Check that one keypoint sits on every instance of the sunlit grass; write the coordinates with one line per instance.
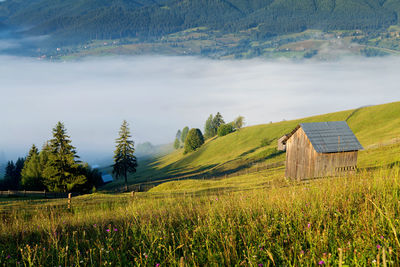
(284, 224)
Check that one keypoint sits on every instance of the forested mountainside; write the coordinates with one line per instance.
(82, 20)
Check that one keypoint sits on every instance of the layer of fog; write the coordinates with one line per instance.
(158, 95)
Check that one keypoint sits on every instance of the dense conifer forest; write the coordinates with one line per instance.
(78, 21)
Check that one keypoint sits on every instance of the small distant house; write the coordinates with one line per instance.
(282, 142)
(321, 149)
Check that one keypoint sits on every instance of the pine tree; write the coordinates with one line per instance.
(124, 159)
(61, 171)
(31, 174)
(12, 177)
(178, 134)
(209, 129)
(184, 134)
(218, 121)
(177, 144)
(10, 170)
(32, 151)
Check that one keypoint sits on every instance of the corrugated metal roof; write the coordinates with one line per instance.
(331, 136)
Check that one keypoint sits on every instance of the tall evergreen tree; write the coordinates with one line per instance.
(124, 159)
(218, 121)
(10, 170)
(61, 171)
(31, 174)
(184, 134)
(178, 134)
(32, 151)
(12, 177)
(177, 144)
(209, 129)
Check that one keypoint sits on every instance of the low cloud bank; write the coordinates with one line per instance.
(158, 95)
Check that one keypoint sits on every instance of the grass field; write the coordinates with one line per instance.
(255, 219)
(284, 223)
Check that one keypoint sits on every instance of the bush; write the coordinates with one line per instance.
(194, 140)
(225, 129)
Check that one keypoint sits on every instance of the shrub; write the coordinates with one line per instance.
(194, 140)
(225, 129)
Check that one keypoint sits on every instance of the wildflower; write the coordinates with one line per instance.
(157, 265)
(94, 225)
(216, 198)
(260, 265)
(8, 256)
(115, 229)
(308, 225)
(108, 230)
(301, 251)
(321, 263)
(378, 246)
(382, 237)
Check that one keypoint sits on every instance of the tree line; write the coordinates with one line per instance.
(191, 140)
(57, 168)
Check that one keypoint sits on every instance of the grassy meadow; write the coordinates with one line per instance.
(285, 223)
(252, 219)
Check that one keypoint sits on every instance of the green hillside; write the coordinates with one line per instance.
(255, 147)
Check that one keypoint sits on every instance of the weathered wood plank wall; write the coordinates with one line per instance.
(302, 161)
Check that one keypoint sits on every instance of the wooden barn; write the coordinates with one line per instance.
(321, 149)
(282, 142)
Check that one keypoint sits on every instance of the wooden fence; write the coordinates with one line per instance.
(248, 169)
(35, 194)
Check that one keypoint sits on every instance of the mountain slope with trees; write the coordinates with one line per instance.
(79, 21)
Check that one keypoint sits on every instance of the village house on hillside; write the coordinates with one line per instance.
(321, 149)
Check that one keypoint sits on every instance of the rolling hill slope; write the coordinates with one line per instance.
(252, 147)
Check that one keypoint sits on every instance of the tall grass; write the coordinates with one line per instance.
(292, 224)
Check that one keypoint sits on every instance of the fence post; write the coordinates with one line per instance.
(9, 193)
(44, 193)
(69, 200)
(340, 257)
(133, 194)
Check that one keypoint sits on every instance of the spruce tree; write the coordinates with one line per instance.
(31, 174)
(32, 151)
(124, 159)
(184, 134)
(177, 144)
(218, 121)
(209, 129)
(61, 171)
(178, 134)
